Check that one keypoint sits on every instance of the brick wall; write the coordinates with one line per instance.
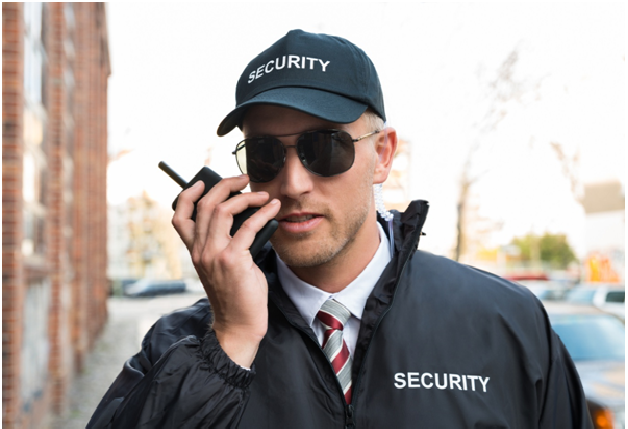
(12, 263)
(59, 274)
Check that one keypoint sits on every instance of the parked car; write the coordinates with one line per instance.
(608, 297)
(596, 342)
(546, 290)
(151, 287)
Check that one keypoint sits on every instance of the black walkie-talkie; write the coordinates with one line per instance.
(210, 178)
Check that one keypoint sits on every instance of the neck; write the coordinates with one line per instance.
(346, 266)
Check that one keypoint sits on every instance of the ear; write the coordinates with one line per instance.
(386, 146)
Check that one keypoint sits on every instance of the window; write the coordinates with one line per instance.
(34, 134)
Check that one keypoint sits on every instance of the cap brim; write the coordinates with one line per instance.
(322, 104)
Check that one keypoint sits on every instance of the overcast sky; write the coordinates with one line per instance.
(175, 66)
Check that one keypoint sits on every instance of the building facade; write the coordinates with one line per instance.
(142, 243)
(604, 205)
(55, 66)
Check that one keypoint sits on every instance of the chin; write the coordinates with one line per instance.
(303, 255)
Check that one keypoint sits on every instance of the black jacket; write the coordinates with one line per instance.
(441, 345)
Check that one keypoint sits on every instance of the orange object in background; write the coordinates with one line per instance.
(598, 268)
(602, 419)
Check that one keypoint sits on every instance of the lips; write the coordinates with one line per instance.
(301, 218)
(300, 222)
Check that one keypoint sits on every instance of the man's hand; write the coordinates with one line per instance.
(236, 287)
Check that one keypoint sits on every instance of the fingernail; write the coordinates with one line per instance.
(197, 184)
(274, 201)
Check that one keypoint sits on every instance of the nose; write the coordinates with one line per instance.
(295, 179)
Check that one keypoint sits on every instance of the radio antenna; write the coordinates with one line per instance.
(173, 174)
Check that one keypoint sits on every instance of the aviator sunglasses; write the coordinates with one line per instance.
(325, 153)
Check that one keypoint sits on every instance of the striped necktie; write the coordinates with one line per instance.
(333, 315)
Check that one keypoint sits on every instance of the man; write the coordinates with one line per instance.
(342, 322)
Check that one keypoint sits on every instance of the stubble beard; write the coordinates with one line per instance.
(303, 253)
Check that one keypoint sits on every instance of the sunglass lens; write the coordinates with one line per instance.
(326, 153)
(263, 158)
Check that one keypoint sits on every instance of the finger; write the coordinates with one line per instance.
(218, 232)
(182, 218)
(243, 238)
(205, 207)
(223, 189)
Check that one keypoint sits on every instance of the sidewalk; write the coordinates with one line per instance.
(129, 319)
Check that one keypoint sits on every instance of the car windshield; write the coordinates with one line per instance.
(582, 295)
(591, 336)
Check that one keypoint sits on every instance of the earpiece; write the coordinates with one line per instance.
(379, 203)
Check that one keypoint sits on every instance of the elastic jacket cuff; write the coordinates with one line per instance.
(220, 362)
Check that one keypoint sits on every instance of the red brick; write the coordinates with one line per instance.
(87, 311)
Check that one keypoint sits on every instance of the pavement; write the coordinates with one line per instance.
(129, 319)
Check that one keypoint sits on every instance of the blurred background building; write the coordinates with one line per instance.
(55, 66)
(604, 205)
(142, 242)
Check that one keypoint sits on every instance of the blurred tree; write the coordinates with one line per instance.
(553, 248)
(499, 93)
(570, 167)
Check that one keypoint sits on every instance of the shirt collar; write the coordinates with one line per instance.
(308, 298)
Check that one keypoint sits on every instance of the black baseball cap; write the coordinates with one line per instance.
(322, 75)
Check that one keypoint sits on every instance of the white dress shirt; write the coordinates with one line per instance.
(308, 298)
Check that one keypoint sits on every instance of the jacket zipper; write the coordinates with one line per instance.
(349, 422)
